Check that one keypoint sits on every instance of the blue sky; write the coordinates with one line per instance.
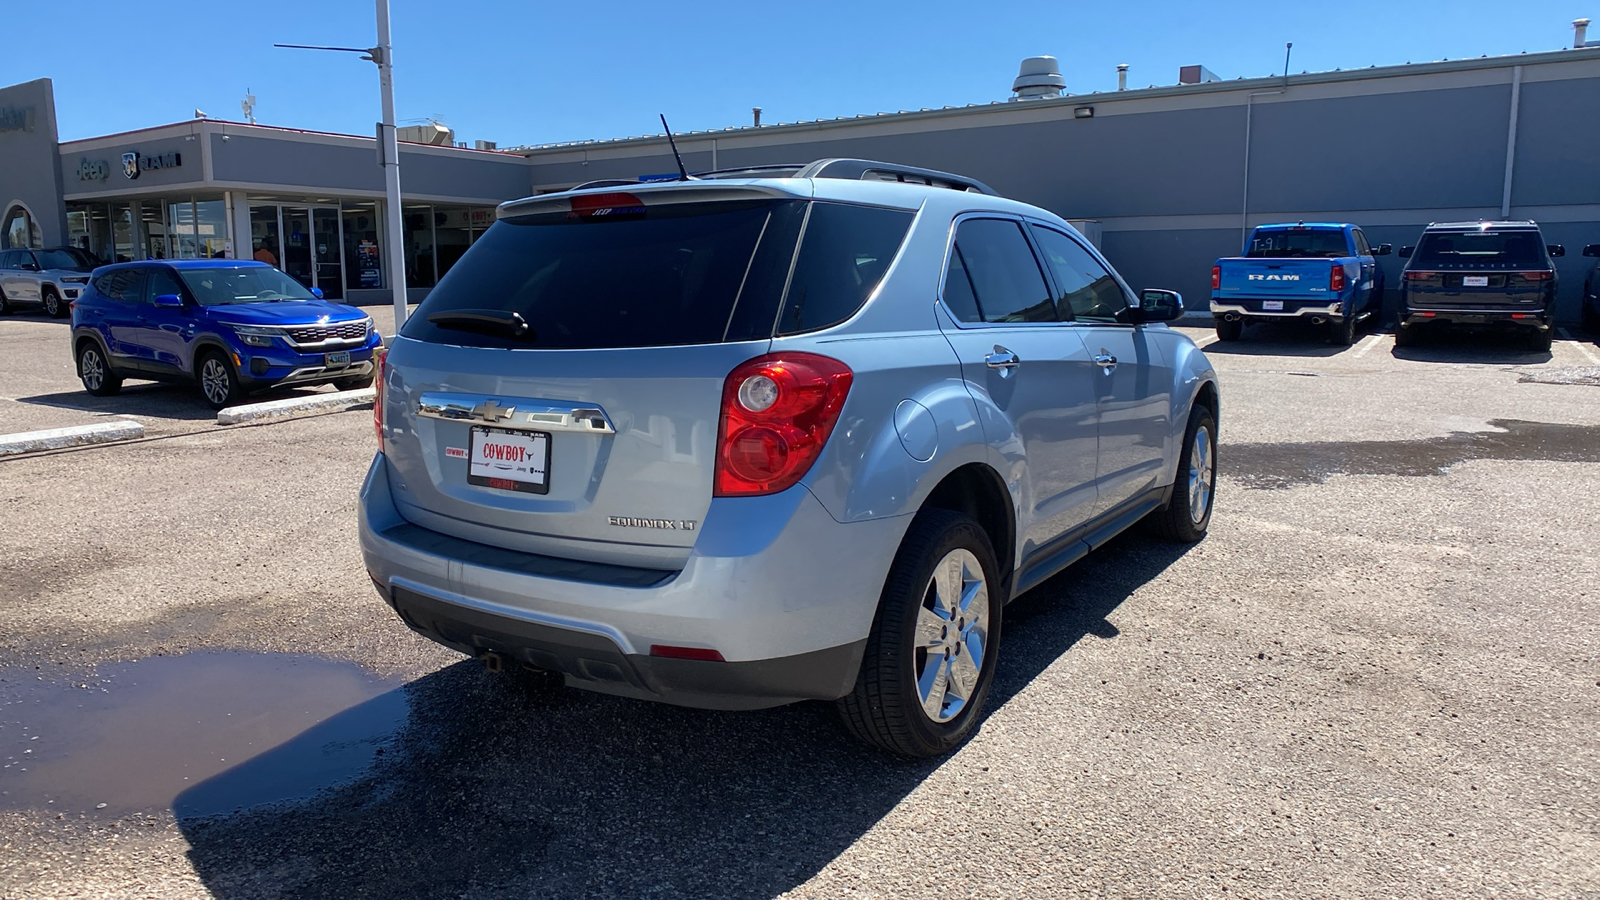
(524, 72)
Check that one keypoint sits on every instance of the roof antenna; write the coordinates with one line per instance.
(1287, 49)
(683, 174)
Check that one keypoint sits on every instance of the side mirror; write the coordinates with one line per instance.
(1405, 252)
(168, 301)
(1156, 305)
(1556, 250)
(29, 267)
(317, 293)
(1592, 250)
(1382, 250)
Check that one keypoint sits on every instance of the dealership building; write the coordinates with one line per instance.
(1164, 178)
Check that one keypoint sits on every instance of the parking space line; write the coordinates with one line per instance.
(1367, 345)
(1567, 336)
(1206, 341)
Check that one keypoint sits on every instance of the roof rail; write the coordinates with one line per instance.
(848, 169)
(869, 170)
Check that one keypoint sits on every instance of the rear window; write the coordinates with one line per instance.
(1298, 243)
(1474, 249)
(668, 275)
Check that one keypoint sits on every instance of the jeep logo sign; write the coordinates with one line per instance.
(1255, 277)
(93, 170)
(133, 163)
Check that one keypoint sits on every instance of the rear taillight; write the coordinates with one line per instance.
(1421, 276)
(1336, 278)
(777, 413)
(380, 356)
(1216, 278)
(1534, 276)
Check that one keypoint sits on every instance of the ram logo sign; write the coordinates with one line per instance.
(1254, 277)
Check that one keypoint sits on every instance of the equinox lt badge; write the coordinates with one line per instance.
(668, 524)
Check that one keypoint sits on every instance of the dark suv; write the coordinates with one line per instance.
(1486, 274)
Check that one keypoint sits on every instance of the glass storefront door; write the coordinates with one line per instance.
(328, 251)
(297, 261)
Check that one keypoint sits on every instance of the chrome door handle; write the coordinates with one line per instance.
(1105, 360)
(1002, 358)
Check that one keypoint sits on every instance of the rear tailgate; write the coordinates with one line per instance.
(599, 455)
(1295, 281)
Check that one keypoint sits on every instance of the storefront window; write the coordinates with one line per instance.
(123, 246)
(153, 228)
(418, 221)
(264, 246)
(89, 228)
(180, 230)
(211, 228)
(363, 260)
(20, 230)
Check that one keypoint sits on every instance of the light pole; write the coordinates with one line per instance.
(388, 154)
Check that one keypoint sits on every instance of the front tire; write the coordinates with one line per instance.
(1188, 515)
(1229, 329)
(930, 657)
(54, 306)
(95, 373)
(218, 383)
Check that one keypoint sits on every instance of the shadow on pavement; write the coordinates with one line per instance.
(1442, 345)
(1283, 339)
(154, 399)
(491, 788)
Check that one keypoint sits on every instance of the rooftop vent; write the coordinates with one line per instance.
(484, 145)
(1038, 78)
(1196, 75)
(431, 133)
(1580, 34)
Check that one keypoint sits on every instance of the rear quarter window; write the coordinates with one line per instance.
(844, 253)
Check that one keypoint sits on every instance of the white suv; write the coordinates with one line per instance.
(52, 278)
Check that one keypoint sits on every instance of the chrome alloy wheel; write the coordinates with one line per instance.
(92, 370)
(1202, 474)
(952, 636)
(214, 380)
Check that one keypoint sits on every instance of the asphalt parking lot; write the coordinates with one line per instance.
(1379, 676)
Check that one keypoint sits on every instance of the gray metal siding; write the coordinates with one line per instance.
(337, 167)
(28, 170)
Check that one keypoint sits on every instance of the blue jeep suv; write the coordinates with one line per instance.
(775, 435)
(233, 326)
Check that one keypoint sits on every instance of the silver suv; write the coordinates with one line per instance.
(52, 278)
(774, 435)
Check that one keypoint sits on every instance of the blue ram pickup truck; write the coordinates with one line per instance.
(1323, 272)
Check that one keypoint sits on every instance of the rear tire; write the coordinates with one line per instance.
(53, 304)
(1342, 333)
(1407, 336)
(1540, 341)
(1188, 515)
(1229, 330)
(5, 304)
(218, 383)
(96, 373)
(931, 654)
(1591, 319)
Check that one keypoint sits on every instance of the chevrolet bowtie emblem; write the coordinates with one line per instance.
(492, 411)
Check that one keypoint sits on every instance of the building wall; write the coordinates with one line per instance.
(28, 173)
(1163, 171)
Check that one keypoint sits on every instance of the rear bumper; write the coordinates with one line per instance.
(1539, 319)
(781, 590)
(1291, 310)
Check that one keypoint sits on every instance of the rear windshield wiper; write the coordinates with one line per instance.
(485, 321)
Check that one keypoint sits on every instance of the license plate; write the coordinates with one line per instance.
(510, 460)
(337, 359)
(1272, 305)
(1475, 281)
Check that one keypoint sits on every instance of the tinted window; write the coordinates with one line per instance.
(1002, 276)
(242, 284)
(1362, 247)
(1323, 243)
(1089, 292)
(161, 281)
(8, 259)
(843, 254)
(660, 275)
(1469, 249)
(958, 295)
(65, 258)
(126, 285)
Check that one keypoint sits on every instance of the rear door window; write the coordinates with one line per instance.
(993, 276)
(843, 255)
(122, 285)
(1489, 249)
(1089, 292)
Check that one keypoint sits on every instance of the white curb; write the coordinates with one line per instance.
(294, 406)
(75, 436)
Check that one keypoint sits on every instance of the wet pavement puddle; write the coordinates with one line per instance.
(1269, 466)
(165, 732)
